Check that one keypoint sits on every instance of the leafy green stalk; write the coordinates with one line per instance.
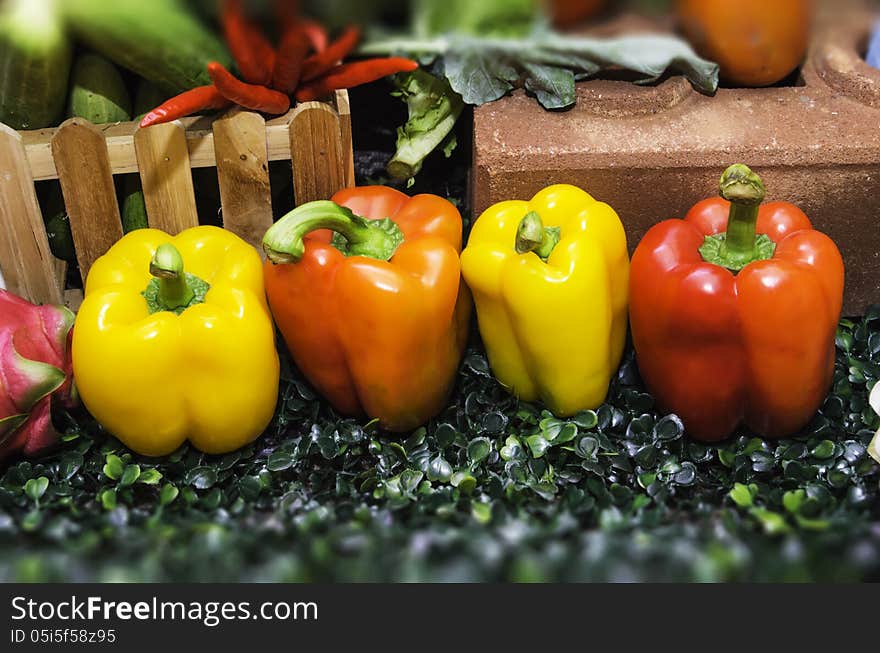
(433, 110)
(481, 69)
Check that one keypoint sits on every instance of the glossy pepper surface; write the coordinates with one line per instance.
(549, 278)
(174, 341)
(367, 292)
(738, 325)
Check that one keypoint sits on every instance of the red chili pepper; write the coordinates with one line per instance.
(320, 63)
(250, 96)
(188, 102)
(289, 63)
(354, 74)
(253, 54)
(315, 32)
(288, 15)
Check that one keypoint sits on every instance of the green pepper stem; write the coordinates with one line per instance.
(167, 267)
(283, 242)
(745, 192)
(533, 236)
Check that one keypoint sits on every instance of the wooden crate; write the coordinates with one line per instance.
(314, 136)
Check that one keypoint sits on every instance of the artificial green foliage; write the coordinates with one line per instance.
(494, 489)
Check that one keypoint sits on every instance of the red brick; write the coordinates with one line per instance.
(652, 152)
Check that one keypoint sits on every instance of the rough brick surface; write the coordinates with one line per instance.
(653, 152)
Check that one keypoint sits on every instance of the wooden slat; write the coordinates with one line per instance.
(163, 159)
(25, 259)
(199, 139)
(87, 184)
(343, 108)
(73, 299)
(316, 152)
(243, 173)
(120, 144)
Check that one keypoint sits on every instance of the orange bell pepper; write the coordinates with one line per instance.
(372, 308)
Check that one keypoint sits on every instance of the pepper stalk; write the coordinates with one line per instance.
(172, 289)
(284, 241)
(533, 236)
(740, 244)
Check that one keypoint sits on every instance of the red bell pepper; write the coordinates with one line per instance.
(737, 327)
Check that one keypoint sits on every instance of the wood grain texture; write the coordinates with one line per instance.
(163, 160)
(25, 259)
(316, 152)
(199, 140)
(243, 174)
(83, 165)
(120, 145)
(343, 108)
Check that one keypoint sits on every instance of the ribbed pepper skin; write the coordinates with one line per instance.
(379, 338)
(755, 347)
(209, 375)
(554, 330)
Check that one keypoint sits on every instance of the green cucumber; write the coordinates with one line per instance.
(35, 56)
(134, 209)
(160, 40)
(98, 92)
(56, 220)
(147, 97)
(99, 95)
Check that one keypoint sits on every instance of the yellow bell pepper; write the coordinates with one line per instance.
(549, 278)
(162, 354)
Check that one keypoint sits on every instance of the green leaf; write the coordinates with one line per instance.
(552, 86)
(567, 433)
(410, 479)
(479, 75)
(741, 495)
(250, 487)
(537, 445)
(478, 449)
(150, 476)
(669, 428)
(200, 478)
(772, 522)
(586, 419)
(439, 469)
(114, 467)
(484, 69)
(433, 110)
(813, 524)
(69, 465)
(793, 499)
(279, 461)
(586, 447)
(726, 457)
(167, 494)
(464, 482)
(35, 488)
(511, 449)
(482, 512)
(130, 475)
(108, 499)
(823, 450)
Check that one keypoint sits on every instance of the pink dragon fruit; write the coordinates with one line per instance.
(35, 369)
